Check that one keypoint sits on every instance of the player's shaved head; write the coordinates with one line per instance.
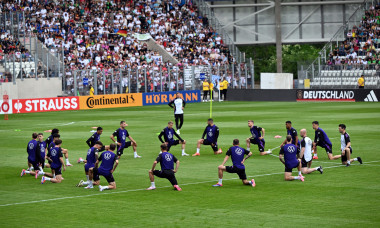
(34, 135)
(235, 142)
(303, 132)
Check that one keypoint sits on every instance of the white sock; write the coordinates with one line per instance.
(88, 177)
(183, 151)
(67, 161)
(355, 159)
(105, 187)
(41, 173)
(269, 152)
(299, 173)
(41, 169)
(152, 184)
(90, 183)
(86, 183)
(47, 178)
(135, 153)
(198, 150)
(296, 178)
(27, 171)
(348, 162)
(220, 181)
(248, 148)
(315, 154)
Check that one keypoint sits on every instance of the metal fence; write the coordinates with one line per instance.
(145, 80)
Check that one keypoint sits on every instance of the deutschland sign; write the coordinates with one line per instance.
(338, 95)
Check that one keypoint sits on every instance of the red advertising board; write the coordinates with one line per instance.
(45, 104)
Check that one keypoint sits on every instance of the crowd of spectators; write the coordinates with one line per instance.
(360, 49)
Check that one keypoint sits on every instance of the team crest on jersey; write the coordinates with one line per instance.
(42, 149)
(210, 133)
(107, 156)
(291, 149)
(170, 136)
(123, 136)
(239, 151)
(168, 157)
(31, 146)
(53, 152)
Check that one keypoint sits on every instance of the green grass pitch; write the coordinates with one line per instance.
(342, 196)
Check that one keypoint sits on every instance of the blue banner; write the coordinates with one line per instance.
(165, 97)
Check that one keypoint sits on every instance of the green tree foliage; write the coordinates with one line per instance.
(264, 57)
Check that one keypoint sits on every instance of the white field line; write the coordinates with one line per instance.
(143, 189)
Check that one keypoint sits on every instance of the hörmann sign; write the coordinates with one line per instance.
(165, 97)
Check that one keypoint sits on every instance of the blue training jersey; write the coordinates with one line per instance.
(321, 137)
(32, 150)
(108, 159)
(42, 149)
(256, 133)
(290, 155)
(93, 139)
(91, 155)
(166, 161)
(211, 133)
(55, 153)
(237, 155)
(293, 132)
(121, 135)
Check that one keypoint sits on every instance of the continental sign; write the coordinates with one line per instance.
(165, 97)
(110, 101)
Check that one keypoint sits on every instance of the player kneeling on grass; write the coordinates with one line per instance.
(212, 133)
(321, 139)
(306, 154)
(346, 148)
(288, 156)
(169, 134)
(237, 156)
(256, 138)
(106, 169)
(55, 157)
(92, 157)
(167, 171)
(33, 157)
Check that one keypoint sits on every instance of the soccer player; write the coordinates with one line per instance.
(92, 157)
(288, 156)
(179, 105)
(50, 139)
(292, 132)
(33, 157)
(237, 156)
(42, 147)
(321, 139)
(257, 138)
(167, 171)
(121, 134)
(55, 156)
(106, 169)
(346, 147)
(212, 133)
(169, 133)
(65, 152)
(306, 154)
(92, 141)
(206, 88)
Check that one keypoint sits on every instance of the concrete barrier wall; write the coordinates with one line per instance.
(261, 95)
(32, 88)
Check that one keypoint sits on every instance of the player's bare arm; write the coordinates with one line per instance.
(154, 165)
(246, 157)
(116, 164)
(176, 166)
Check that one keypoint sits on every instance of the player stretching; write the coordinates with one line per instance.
(106, 169)
(237, 156)
(121, 134)
(92, 141)
(50, 139)
(212, 132)
(92, 157)
(55, 156)
(65, 152)
(321, 139)
(292, 132)
(289, 153)
(306, 154)
(33, 157)
(168, 134)
(346, 147)
(257, 138)
(167, 171)
(178, 104)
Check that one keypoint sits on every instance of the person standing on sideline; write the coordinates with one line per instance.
(361, 82)
(221, 88)
(211, 91)
(225, 87)
(92, 90)
(178, 104)
(206, 88)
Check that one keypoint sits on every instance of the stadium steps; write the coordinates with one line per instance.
(166, 56)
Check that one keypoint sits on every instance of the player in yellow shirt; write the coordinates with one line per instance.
(221, 88)
(206, 88)
(225, 86)
(211, 91)
(361, 82)
(92, 91)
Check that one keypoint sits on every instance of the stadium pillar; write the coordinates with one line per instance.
(95, 83)
(277, 9)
